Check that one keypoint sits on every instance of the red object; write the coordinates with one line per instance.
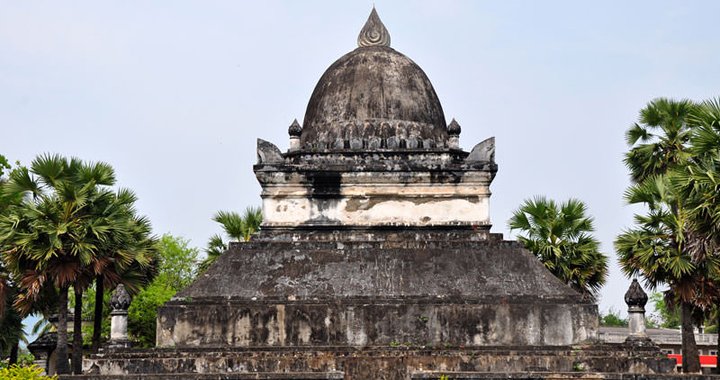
(705, 360)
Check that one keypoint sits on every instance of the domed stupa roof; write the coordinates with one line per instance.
(373, 98)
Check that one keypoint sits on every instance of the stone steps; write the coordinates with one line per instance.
(556, 376)
(216, 376)
(331, 362)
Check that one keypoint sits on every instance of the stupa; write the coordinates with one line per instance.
(375, 258)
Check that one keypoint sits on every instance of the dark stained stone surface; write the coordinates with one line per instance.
(456, 287)
(461, 269)
(373, 92)
(635, 295)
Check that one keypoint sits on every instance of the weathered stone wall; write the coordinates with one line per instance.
(392, 288)
(362, 199)
(373, 322)
(390, 363)
(413, 189)
(380, 268)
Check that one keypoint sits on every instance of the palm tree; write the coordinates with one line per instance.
(216, 246)
(128, 258)
(11, 326)
(561, 238)
(10, 321)
(52, 236)
(237, 227)
(659, 249)
(700, 184)
(658, 150)
(659, 141)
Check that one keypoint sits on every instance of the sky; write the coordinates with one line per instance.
(174, 94)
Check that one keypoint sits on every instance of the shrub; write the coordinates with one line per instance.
(16, 372)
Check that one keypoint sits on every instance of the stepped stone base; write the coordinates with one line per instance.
(391, 363)
(376, 288)
(376, 304)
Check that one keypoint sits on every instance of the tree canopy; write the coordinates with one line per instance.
(560, 235)
(65, 227)
(673, 163)
(238, 228)
(177, 263)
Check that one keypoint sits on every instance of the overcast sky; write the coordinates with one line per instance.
(174, 93)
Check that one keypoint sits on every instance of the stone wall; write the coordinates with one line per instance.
(371, 189)
(389, 363)
(393, 288)
(363, 322)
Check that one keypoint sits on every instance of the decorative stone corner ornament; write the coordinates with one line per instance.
(483, 151)
(268, 153)
(636, 299)
(453, 130)
(120, 302)
(295, 131)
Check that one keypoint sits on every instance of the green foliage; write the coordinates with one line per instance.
(674, 164)
(177, 263)
(669, 317)
(237, 227)
(16, 372)
(658, 141)
(560, 235)
(88, 313)
(68, 228)
(676, 242)
(11, 329)
(142, 314)
(26, 359)
(4, 165)
(612, 319)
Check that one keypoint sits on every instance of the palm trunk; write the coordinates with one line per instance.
(77, 334)
(14, 353)
(61, 360)
(690, 356)
(98, 316)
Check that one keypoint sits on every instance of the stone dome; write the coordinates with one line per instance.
(373, 98)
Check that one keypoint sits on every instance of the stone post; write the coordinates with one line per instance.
(295, 130)
(120, 302)
(636, 299)
(454, 130)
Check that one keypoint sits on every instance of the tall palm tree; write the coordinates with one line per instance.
(11, 326)
(51, 237)
(128, 258)
(700, 184)
(10, 321)
(237, 227)
(659, 146)
(658, 248)
(561, 238)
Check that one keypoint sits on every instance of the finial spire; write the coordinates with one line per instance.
(374, 32)
(295, 129)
